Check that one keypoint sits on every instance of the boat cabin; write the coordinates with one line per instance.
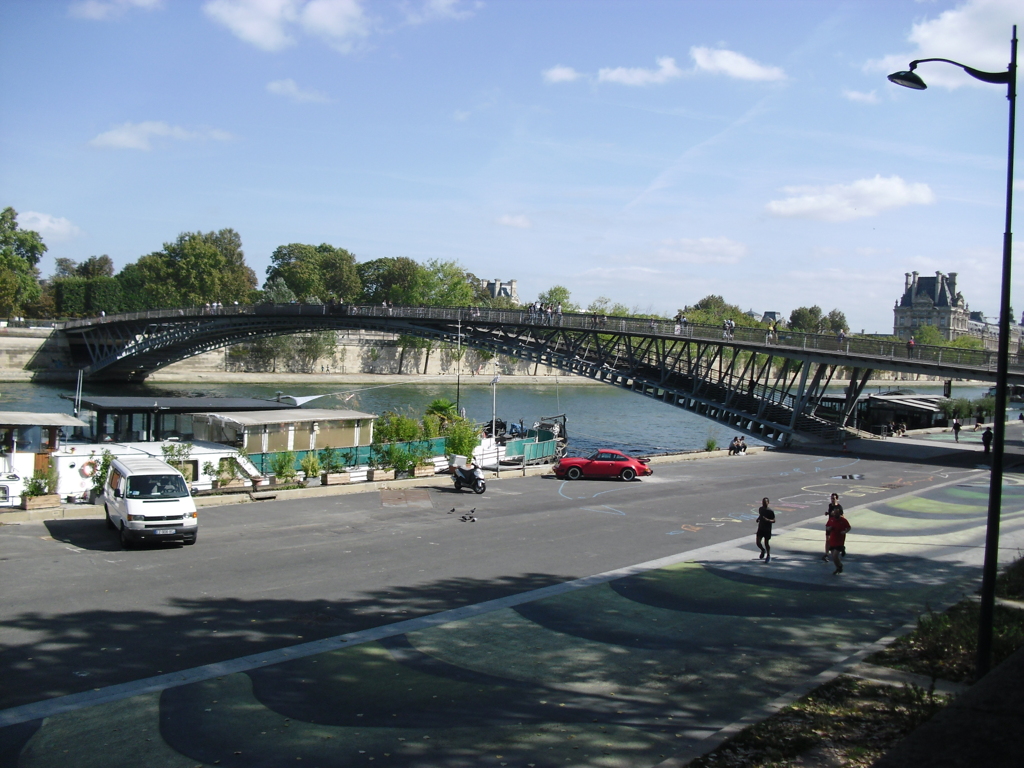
(301, 429)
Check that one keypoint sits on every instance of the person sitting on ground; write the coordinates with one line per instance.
(734, 446)
(742, 445)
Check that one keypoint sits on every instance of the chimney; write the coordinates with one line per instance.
(951, 282)
(906, 284)
(938, 285)
(913, 287)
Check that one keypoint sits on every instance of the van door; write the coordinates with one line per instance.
(115, 502)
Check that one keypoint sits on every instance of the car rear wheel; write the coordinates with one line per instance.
(628, 474)
(574, 473)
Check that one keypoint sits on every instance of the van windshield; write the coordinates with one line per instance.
(156, 487)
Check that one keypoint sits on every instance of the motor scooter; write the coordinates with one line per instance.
(470, 477)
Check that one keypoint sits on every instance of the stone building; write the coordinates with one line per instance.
(936, 301)
(931, 301)
(498, 288)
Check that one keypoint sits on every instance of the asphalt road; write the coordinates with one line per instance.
(80, 613)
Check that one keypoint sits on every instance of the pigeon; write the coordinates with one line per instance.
(452, 510)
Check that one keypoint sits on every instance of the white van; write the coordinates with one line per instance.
(148, 501)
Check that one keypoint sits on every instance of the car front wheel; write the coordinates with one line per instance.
(574, 473)
(628, 474)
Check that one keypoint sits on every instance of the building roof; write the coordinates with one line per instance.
(179, 404)
(298, 415)
(938, 288)
(28, 419)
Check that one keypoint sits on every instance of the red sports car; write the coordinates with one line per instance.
(603, 463)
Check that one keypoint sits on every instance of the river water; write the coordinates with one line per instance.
(598, 416)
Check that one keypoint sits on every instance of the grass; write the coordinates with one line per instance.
(1010, 583)
(854, 721)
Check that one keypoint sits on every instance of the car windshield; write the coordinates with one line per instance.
(594, 456)
(157, 487)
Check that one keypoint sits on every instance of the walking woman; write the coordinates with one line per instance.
(833, 503)
(837, 528)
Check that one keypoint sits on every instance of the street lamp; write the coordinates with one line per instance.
(910, 79)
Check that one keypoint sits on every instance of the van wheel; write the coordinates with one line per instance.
(189, 542)
(110, 523)
(126, 542)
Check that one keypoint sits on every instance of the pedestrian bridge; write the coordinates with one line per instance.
(768, 386)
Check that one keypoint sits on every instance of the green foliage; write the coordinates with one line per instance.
(444, 410)
(959, 408)
(835, 321)
(714, 310)
(555, 295)
(710, 444)
(431, 426)
(391, 456)
(309, 348)
(602, 305)
(276, 291)
(393, 427)
(461, 437)
(196, 269)
(985, 406)
(70, 296)
(311, 464)
(807, 319)
(331, 460)
(967, 342)
(929, 335)
(283, 465)
(20, 251)
(178, 455)
(102, 469)
(316, 273)
(399, 280)
(103, 294)
(43, 482)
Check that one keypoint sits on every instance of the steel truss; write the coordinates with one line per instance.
(753, 383)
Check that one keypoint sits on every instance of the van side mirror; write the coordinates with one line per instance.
(117, 493)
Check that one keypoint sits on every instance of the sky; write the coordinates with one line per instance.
(650, 152)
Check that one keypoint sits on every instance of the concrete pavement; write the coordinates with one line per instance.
(637, 666)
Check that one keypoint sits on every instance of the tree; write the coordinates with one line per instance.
(447, 284)
(96, 266)
(602, 305)
(309, 348)
(316, 273)
(20, 251)
(929, 335)
(835, 321)
(714, 309)
(967, 342)
(558, 294)
(399, 280)
(276, 291)
(64, 267)
(806, 319)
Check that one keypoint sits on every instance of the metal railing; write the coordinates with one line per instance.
(858, 349)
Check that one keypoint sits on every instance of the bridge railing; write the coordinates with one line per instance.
(784, 340)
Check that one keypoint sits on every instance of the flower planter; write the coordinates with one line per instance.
(236, 483)
(380, 474)
(425, 471)
(335, 478)
(40, 502)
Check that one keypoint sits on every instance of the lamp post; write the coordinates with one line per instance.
(910, 79)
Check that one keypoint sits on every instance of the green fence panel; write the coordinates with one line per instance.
(537, 451)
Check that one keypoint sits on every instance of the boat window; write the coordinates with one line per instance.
(156, 487)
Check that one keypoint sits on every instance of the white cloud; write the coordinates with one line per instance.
(518, 221)
(861, 98)
(976, 33)
(721, 61)
(290, 89)
(429, 10)
(52, 228)
(271, 24)
(703, 250)
(98, 10)
(139, 135)
(560, 74)
(843, 202)
(461, 115)
(667, 70)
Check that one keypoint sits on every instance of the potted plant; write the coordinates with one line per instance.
(178, 455)
(226, 473)
(283, 466)
(333, 466)
(422, 465)
(39, 491)
(311, 466)
(381, 467)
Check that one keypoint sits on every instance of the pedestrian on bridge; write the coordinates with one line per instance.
(910, 346)
(765, 521)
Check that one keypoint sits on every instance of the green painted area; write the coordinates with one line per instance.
(936, 507)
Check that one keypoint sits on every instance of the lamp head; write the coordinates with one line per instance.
(908, 79)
